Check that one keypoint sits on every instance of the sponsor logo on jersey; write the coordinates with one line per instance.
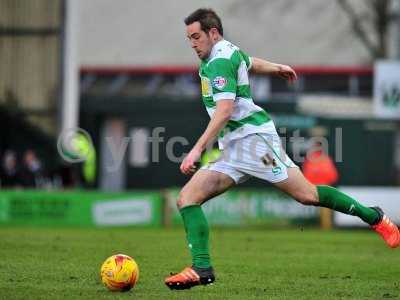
(219, 82)
(205, 87)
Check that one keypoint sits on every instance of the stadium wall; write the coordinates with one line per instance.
(30, 46)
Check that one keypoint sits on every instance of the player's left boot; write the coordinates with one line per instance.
(387, 229)
(189, 277)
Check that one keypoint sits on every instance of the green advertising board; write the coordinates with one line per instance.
(236, 207)
(250, 207)
(80, 208)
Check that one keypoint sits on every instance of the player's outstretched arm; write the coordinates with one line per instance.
(261, 66)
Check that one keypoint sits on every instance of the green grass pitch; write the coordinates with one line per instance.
(61, 263)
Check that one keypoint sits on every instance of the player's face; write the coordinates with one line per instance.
(200, 41)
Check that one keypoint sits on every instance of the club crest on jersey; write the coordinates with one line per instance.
(219, 82)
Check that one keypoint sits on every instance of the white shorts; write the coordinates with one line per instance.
(260, 155)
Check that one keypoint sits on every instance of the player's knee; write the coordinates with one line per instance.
(180, 202)
(184, 199)
(309, 197)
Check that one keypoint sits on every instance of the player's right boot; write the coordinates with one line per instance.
(387, 229)
(189, 277)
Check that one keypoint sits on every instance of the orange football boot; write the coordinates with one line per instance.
(387, 229)
(190, 277)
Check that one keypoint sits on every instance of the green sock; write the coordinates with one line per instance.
(196, 227)
(334, 199)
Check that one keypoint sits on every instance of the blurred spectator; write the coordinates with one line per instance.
(9, 170)
(31, 172)
(318, 167)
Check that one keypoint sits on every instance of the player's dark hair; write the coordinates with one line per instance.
(207, 18)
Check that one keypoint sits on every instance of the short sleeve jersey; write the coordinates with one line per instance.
(224, 75)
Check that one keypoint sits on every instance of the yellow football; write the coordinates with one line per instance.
(119, 273)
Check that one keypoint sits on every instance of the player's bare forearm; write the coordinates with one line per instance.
(261, 66)
(218, 121)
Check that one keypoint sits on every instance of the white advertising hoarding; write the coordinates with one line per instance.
(124, 212)
(387, 89)
(387, 198)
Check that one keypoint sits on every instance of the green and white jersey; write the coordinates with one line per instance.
(224, 75)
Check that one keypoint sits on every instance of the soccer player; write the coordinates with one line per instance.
(250, 144)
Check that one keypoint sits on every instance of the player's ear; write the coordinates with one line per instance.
(213, 33)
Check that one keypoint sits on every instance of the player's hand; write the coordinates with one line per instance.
(188, 166)
(286, 72)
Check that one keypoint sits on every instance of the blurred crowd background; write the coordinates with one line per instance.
(128, 69)
(100, 98)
